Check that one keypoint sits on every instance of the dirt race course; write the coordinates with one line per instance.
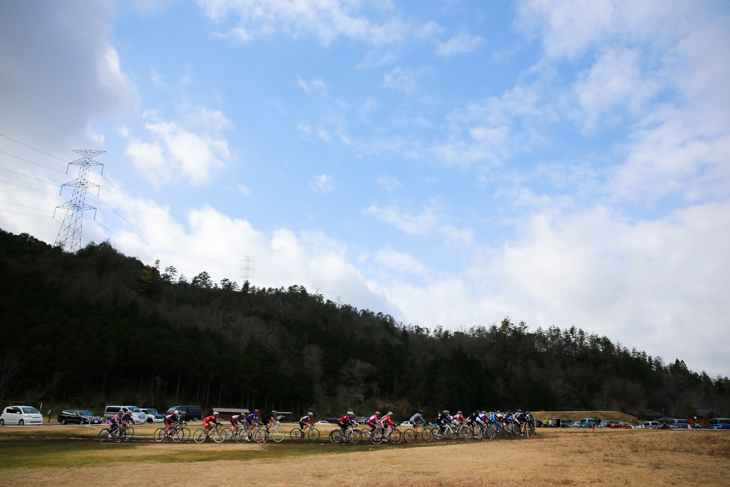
(556, 457)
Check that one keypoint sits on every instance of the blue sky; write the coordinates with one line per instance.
(446, 162)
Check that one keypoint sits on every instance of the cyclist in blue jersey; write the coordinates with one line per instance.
(417, 420)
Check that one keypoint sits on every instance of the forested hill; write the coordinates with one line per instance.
(99, 327)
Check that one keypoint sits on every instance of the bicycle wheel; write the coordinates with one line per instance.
(450, 433)
(376, 437)
(354, 436)
(491, 431)
(313, 434)
(160, 434)
(296, 434)
(103, 435)
(226, 434)
(396, 437)
(426, 434)
(129, 432)
(257, 436)
(119, 435)
(276, 434)
(199, 436)
(217, 435)
(185, 434)
(365, 434)
(336, 437)
(466, 433)
(409, 435)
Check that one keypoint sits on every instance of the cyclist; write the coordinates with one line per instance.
(252, 419)
(115, 421)
(170, 420)
(344, 422)
(442, 420)
(306, 422)
(373, 421)
(473, 421)
(458, 418)
(387, 423)
(520, 419)
(495, 417)
(416, 420)
(127, 416)
(207, 423)
(269, 420)
(237, 422)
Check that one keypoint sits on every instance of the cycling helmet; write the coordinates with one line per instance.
(420, 411)
(446, 411)
(458, 412)
(256, 410)
(484, 412)
(310, 414)
(377, 412)
(390, 413)
(215, 413)
(350, 413)
(519, 410)
(176, 412)
(273, 411)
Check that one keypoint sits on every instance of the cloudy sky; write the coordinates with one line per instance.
(446, 162)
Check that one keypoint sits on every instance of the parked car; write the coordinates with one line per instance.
(406, 423)
(650, 425)
(80, 416)
(619, 425)
(720, 423)
(152, 415)
(590, 422)
(322, 422)
(190, 413)
(20, 415)
(575, 424)
(137, 415)
(678, 424)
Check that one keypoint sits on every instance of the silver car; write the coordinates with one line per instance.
(21, 415)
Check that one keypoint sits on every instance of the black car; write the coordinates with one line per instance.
(80, 416)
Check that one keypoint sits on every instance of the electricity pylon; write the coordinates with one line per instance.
(69, 236)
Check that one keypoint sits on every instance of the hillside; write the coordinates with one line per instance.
(98, 326)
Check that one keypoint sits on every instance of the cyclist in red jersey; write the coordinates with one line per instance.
(170, 420)
(387, 422)
(207, 423)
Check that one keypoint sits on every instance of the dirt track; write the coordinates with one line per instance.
(639, 458)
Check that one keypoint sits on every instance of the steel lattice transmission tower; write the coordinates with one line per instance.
(69, 236)
(247, 264)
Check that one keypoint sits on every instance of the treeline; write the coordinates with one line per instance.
(99, 327)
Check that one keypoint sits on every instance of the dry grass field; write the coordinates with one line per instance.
(49, 457)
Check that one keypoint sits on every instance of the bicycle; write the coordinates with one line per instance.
(116, 435)
(392, 435)
(174, 435)
(311, 433)
(275, 433)
(418, 433)
(202, 435)
(449, 432)
(351, 434)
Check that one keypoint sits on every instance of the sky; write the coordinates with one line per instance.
(450, 163)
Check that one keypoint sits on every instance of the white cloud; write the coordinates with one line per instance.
(325, 19)
(191, 148)
(432, 221)
(405, 79)
(389, 183)
(399, 261)
(323, 183)
(461, 43)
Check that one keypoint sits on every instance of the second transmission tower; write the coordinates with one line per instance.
(69, 236)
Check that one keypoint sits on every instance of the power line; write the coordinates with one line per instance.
(123, 238)
(26, 187)
(24, 213)
(31, 147)
(26, 176)
(24, 206)
(32, 162)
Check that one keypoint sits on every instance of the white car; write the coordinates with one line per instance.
(406, 423)
(21, 415)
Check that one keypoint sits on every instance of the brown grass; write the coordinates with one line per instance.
(567, 457)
